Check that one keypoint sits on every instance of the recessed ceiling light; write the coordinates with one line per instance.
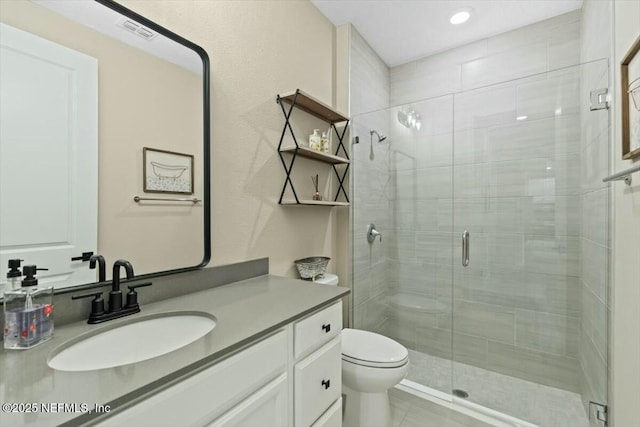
(460, 16)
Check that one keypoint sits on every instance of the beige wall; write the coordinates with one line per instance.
(626, 248)
(258, 49)
(142, 101)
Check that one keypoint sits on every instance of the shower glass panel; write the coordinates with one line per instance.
(529, 322)
(521, 330)
(404, 185)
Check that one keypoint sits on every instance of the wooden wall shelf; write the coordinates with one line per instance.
(310, 105)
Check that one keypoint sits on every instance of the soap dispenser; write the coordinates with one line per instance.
(324, 144)
(28, 312)
(13, 275)
(315, 140)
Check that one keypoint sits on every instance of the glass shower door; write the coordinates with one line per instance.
(402, 284)
(529, 309)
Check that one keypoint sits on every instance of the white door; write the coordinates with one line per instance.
(48, 156)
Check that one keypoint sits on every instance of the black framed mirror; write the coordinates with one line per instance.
(87, 86)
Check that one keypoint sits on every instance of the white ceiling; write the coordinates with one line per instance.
(106, 21)
(404, 30)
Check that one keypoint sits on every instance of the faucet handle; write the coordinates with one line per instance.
(97, 305)
(132, 295)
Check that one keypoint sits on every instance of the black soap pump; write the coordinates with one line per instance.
(14, 274)
(28, 312)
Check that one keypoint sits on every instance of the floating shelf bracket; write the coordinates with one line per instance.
(287, 125)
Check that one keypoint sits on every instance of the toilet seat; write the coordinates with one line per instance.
(370, 349)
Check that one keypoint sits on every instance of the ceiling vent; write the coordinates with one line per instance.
(137, 29)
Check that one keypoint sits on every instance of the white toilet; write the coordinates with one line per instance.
(371, 365)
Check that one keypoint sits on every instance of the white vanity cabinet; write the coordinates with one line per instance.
(291, 378)
(253, 377)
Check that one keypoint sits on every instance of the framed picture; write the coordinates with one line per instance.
(167, 172)
(630, 80)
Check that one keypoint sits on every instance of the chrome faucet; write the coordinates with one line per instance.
(116, 309)
(372, 233)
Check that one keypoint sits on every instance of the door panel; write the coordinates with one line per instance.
(530, 307)
(48, 163)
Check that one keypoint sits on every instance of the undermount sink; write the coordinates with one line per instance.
(133, 342)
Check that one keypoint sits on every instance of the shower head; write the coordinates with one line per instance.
(380, 137)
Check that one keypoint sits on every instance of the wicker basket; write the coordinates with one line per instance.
(312, 267)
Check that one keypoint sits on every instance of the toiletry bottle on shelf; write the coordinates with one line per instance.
(324, 143)
(28, 312)
(315, 140)
(13, 275)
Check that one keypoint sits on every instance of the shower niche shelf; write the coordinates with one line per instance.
(339, 163)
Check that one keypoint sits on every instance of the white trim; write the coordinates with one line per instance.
(424, 392)
(479, 412)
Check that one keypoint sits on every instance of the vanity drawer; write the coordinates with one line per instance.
(318, 383)
(317, 329)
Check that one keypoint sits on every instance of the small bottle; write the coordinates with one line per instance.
(324, 143)
(13, 275)
(315, 140)
(28, 312)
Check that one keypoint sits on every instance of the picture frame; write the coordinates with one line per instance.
(630, 85)
(167, 171)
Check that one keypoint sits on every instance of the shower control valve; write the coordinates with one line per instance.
(372, 233)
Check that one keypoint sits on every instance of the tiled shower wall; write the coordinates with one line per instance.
(371, 183)
(536, 48)
(533, 303)
(595, 243)
(516, 188)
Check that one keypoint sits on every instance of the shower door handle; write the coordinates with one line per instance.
(465, 248)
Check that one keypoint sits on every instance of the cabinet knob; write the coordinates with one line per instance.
(326, 328)
(326, 384)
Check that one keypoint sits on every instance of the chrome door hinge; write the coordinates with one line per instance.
(599, 413)
(599, 99)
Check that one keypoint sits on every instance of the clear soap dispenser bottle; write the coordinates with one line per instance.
(28, 312)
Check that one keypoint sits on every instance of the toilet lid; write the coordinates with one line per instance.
(371, 349)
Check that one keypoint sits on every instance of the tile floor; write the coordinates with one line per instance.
(532, 402)
(411, 411)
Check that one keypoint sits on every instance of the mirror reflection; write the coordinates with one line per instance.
(84, 91)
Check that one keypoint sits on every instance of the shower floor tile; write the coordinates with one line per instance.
(535, 403)
(411, 411)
